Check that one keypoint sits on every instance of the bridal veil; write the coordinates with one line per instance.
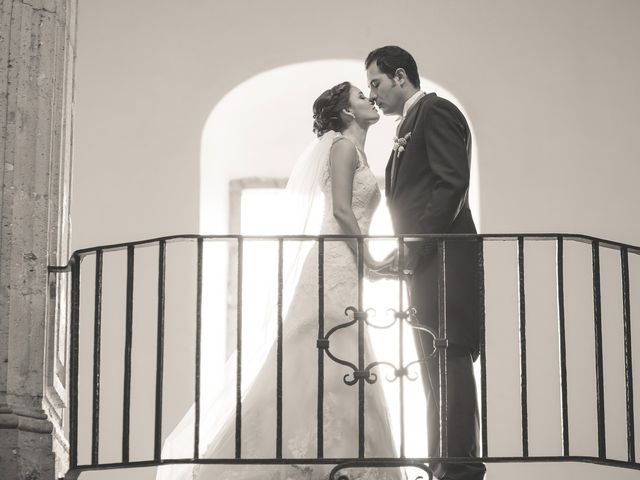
(302, 204)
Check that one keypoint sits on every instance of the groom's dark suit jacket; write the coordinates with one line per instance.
(430, 195)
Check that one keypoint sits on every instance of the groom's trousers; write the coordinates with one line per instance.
(462, 328)
(463, 428)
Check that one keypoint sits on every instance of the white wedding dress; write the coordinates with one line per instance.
(300, 372)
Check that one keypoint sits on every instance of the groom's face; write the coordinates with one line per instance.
(385, 91)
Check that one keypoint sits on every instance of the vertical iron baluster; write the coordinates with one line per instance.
(239, 354)
(128, 343)
(442, 348)
(628, 358)
(562, 341)
(401, 246)
(523, 349)
(361, 382)
(279, 356)
(162, 255)
(74, 354)
(320, 445)
(483, 346)
(196, 426)
(597, 317)
(97, 333)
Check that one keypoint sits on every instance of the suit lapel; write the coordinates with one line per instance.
(387, 177)
(407, 126)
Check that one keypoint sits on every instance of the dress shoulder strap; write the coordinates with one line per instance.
(339, 137)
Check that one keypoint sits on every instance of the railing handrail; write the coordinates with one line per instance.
(389, 461)
(606, 243)
(361, 371)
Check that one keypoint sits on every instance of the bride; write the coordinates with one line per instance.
(335, 170)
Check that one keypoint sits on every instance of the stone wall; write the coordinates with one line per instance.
(37, 56)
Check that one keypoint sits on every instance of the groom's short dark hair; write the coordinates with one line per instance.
(391, 58)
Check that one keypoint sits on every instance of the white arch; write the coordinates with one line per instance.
(260, 127)
(258, 130)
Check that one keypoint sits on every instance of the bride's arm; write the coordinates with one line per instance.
(343, 161)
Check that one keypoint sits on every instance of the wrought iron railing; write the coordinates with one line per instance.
(358, 372)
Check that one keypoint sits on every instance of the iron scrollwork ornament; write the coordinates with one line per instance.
(399, 318)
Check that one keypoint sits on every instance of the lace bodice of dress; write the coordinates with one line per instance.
(364, 200)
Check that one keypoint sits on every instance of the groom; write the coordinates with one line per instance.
(427, 190)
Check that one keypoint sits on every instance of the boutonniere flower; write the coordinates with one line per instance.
(399, 144)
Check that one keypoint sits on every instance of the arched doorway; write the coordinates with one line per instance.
(250, 143)
(260, 127)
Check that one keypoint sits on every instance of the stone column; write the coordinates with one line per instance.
(37, 52)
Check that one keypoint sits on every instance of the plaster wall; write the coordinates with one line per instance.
(549, 86)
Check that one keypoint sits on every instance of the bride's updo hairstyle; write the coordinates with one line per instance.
(327, 108)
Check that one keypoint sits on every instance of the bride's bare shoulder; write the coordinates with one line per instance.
(343, 152)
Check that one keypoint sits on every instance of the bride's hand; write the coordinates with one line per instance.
(377, 269)
(373, 264)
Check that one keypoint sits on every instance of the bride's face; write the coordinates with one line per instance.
(364, 110)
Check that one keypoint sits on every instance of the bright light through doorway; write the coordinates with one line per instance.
(257, 218)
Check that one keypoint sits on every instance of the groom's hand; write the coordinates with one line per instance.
(383, 268)
(388, 268)
(406, 270)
